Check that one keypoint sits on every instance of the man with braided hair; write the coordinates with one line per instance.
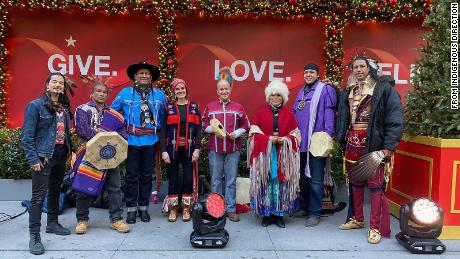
(370, 118)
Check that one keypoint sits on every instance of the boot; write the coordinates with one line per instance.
(172, 214)
(279, 221)
(81, 227)
(56, 228)
(120, 226)
(35, 244)
(266, 221)
(131, 217)
(170, 205)
(186, 204)
(144, 215)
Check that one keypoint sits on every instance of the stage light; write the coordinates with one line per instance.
(421, 222)
(208, 217)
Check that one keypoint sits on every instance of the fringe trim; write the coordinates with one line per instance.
(170, 202)
(259, 170)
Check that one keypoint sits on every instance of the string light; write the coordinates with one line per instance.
(337, 15)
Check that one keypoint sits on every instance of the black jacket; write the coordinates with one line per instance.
(386, 122)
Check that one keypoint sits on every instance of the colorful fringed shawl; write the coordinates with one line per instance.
(274, 168)
(88, 179)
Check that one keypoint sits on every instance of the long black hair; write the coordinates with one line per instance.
(63, 98)
(372, 70)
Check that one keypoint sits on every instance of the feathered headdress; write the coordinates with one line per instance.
(93, 79)
(372, 62)
(225, 74)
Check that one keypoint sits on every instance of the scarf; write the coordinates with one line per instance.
(313, 110)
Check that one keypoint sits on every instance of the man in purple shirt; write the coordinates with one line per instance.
(314, 98)
(88, 117)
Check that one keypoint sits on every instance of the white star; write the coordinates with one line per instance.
(70, 41)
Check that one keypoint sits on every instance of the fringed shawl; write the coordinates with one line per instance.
(259, 154)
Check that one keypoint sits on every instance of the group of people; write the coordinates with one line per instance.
(285, 176)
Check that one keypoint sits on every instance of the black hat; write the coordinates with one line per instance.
(311, 66)
(154, 71)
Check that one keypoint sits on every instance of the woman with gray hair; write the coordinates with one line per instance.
(273, 157)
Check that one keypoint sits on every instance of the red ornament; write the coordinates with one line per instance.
(293, 2)
(376, 6)
(170, 62)
(365, 6)
(130, 6)
(393, 2)
(164, 81)
(338, 61)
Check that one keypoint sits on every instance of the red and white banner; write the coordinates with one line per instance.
(77, 43)
(256, 50)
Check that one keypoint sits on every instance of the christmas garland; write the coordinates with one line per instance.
(336, 15)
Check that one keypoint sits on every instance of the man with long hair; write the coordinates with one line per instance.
(370, 118)
(47, 145)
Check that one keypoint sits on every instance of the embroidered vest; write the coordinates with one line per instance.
(192, 126)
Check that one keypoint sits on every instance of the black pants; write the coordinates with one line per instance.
(49, 179)
(173, 173)
(112, 185)
(139, 169)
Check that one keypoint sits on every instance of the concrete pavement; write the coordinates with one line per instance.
(161, 239)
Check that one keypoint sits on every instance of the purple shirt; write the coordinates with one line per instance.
(88, 117)
(325, 115)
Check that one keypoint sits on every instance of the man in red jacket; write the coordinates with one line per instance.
(224, 149)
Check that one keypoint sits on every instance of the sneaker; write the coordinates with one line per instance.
(35, 244)
(56, 228)
(81, 227)
(352, 224)
(233, 216)
(312, 221)
(373, 236)
(120, 226)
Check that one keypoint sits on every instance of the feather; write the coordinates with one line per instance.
(366, 166)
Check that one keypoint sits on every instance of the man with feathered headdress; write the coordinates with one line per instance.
(225, 120)
(370, 118)
(90, 119)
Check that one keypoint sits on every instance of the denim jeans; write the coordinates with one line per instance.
(224, 165)
(112, 185)
(50, 178)
(139, 169)
(312, 189)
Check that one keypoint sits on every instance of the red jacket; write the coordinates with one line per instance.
(233, 117)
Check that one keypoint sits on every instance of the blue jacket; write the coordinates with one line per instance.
(38, 135)
(128, 103)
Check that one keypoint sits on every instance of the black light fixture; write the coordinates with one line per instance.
(208, 216)
(421, 222)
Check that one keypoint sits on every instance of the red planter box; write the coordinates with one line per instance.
(428, 167)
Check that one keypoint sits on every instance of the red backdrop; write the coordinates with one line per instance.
(104, 45)
(256, 49)
(393, 45)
